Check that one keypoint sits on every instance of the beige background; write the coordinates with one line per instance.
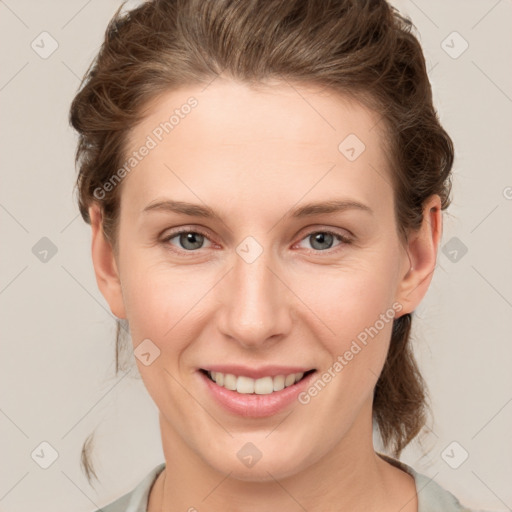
(57, 361)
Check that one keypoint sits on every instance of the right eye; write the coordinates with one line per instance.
(188, 239)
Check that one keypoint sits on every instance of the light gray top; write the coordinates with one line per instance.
(431, 496)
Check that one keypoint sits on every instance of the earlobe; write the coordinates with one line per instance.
(105, 267)
(422, 250)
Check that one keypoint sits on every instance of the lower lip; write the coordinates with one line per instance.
(252, 405)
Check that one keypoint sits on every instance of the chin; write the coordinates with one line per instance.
(261, 471)
(276, 465)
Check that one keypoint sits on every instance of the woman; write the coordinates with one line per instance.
(222, 144)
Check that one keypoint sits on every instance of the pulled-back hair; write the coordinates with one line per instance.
(361, 48)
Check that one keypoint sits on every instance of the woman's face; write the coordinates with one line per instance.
(262, 287)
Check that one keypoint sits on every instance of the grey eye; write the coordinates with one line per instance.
(321, 240)
(188, 240)
(191, 241)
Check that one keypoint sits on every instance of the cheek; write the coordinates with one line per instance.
(353, 311)
(162, 306)
(336, 303)
(350, 298)
(161, 301)
(357, 308)
(168, 304)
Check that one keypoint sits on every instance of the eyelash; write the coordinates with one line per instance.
(342, 238)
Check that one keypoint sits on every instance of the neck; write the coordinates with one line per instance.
(350, 476)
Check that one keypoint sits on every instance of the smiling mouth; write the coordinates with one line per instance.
(263, 386)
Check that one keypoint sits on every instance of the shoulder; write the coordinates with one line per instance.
(137, 499)
(431, 496)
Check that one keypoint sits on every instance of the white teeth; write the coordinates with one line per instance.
(262, 386)
(245, 385)
(229, 381)
(290, 379)
(278, 383)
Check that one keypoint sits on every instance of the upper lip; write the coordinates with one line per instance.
(256, 373)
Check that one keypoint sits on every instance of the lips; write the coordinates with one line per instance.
(256, 373)
(251, 399)
(262, 386)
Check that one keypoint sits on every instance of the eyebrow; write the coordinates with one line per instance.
(307, 210)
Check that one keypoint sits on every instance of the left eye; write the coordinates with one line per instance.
(191, 240)
(322, 238)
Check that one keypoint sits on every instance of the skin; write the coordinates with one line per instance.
(253, 155)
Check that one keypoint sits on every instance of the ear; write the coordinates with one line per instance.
(422, 252)
(105, 267)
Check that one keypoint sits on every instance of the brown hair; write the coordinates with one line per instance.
(362, 48)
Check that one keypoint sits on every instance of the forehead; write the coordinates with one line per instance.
(227, 112)
(274, 140)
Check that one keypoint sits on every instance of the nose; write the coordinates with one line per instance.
(255, 303)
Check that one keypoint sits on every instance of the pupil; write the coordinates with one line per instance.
(321, 238)
(191, 238)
